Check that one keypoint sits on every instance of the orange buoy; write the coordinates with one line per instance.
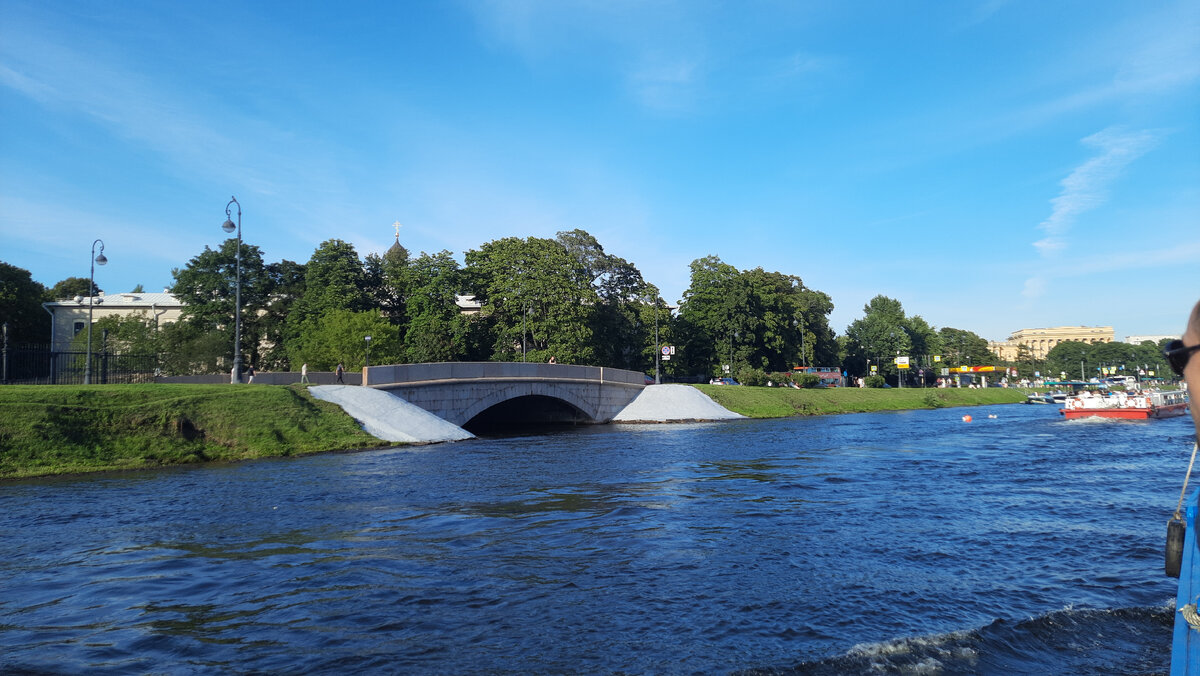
(966, 418)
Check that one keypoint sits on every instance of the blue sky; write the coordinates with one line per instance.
(992, 165)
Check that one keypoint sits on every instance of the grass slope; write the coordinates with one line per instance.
(779, 402)
(65, 429)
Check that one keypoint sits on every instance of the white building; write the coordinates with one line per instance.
(69, 317)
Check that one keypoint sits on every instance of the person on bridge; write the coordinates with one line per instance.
(340, 371)
(304, 373)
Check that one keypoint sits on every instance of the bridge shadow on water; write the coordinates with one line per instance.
(524, 415)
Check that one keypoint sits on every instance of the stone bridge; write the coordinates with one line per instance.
(481, 394)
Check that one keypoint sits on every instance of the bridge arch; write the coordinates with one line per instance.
(460, 391)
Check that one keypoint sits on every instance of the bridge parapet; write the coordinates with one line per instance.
(382, 376)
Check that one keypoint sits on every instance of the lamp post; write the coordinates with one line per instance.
(367, 365)
(87, 366)
(735, 334)
(228, 226)
(657, 347)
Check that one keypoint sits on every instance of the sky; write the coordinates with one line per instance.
(993, 165)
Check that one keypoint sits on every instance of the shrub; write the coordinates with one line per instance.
(808, 380)
(752, 376)
(874, 381)
(781, 378)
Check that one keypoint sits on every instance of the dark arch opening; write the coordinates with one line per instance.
(524, 413)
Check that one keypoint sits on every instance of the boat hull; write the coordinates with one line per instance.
(1185, 643)
(1169, 411)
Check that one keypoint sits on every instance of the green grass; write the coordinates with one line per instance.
(779, 402)
(48, 430)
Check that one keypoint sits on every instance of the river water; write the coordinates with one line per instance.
(908, 542)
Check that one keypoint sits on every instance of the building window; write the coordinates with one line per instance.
(79, 327)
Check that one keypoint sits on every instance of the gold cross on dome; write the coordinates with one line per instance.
(396, 225)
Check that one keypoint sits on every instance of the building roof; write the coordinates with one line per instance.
(124, 300)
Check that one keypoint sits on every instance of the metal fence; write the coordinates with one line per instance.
(39, 365)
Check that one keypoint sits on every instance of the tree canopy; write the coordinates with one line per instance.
(21, 306)
(752, 319)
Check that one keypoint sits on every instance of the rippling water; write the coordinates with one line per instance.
(896, 542)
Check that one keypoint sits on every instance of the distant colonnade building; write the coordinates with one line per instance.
(1039, 342)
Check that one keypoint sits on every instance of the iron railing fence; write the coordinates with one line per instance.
(39, 365)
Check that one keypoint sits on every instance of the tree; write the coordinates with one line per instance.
(286, 280)
(207, 288)
(1070, 359)
(435, 329)
(338, 336)
(20, 306)
(960, 347)
(72, 287)
(757, 319)
(712, 311)
(189, 349)
(878, 338)
(129, 334)
(537, 300)
(385, 281)
(333, 280)
(619, 334)
(1094, 360)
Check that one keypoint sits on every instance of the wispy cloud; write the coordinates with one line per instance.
(1084, 189)
(1087, 186)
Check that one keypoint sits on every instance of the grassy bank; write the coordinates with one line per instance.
(65, 429)
(779, 402)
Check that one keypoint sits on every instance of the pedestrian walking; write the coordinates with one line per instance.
(304, 373)
(340, 371)
(250, 374)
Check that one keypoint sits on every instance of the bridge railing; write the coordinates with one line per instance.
(491, 370)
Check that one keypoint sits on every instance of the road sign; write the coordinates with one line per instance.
(666, 350)
(666, 357)
(874, 368)
(725, 368)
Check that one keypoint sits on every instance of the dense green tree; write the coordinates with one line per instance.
(1078, 359)
(435, 329)
(333, 280)
(128, 334)
(71, 287)
(760, 320)
(189, 348)
(537, 299)
(286, 286)
(21, 306)
(712, 314)
(338, 336)
(207, 288)
(960, 347)
(620, 335)
(385, 281)
(878, 338)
